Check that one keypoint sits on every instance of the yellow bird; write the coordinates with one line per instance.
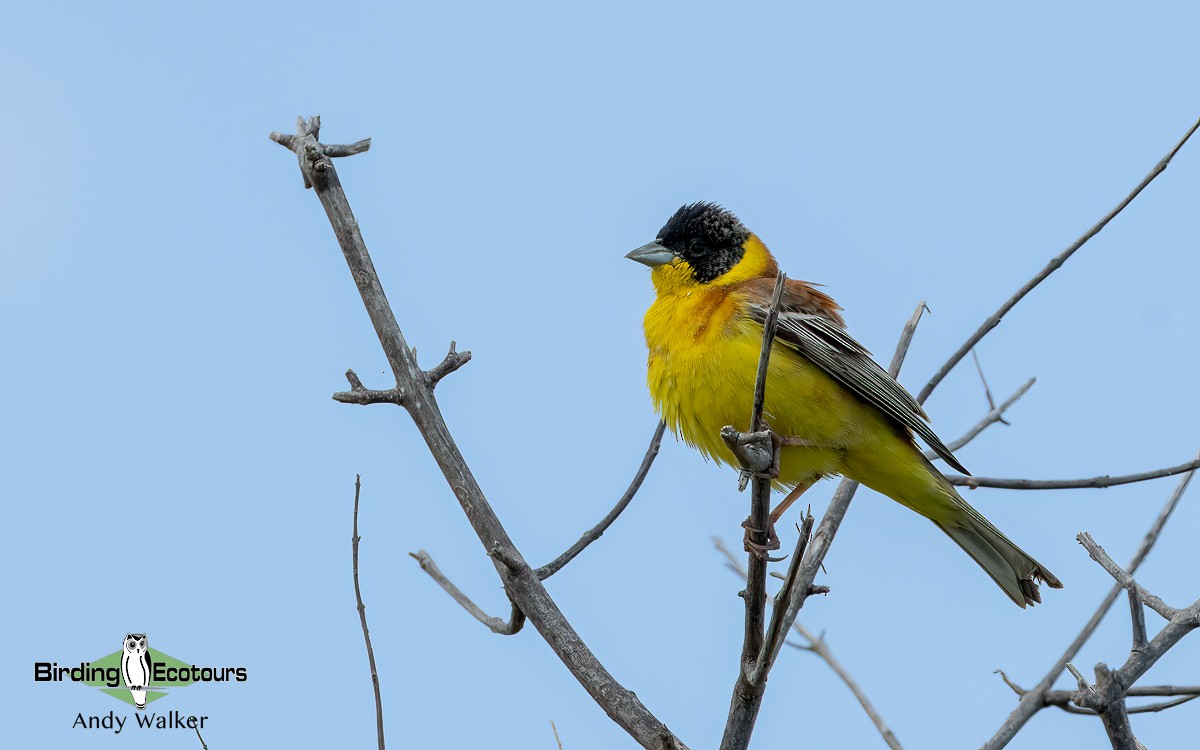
(713, 280)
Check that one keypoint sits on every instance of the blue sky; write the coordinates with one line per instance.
(177, 314)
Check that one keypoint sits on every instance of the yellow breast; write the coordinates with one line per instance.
(703, 356)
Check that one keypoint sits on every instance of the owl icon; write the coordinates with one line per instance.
(136, 667)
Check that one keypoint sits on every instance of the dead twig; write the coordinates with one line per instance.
(511, 626)
(598, 530)
(818, 646)
(989, 419)
(1070, 484)
(414, 387)
(362, 615)
(1034, 700)
(1055, 263)
(747, 694)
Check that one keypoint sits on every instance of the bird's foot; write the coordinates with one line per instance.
(761, 550)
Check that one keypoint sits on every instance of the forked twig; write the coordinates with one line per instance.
(522, 585)
(989, 419)
(1034, 700)
(817, 645)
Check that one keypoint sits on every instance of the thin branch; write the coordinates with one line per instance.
(1033, 700)
(906, 337)
(1123, 579)
(818, 646)
(1107, 698)
(598, 530)
(1070, 484)
(987, 392)
(780, 623)
(452, 362)
(511, 626)
(1139, 662)
(747, 695)
(1154, 708)
(811, 562)
(362, 616)
(1054, 697)
(363, 396)
(1051, 267)
(1061, 699)
(1164, 690)
(528, 594)
(764, 354)
(989, 419)
(1138, 615)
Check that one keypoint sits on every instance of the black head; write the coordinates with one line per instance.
(707, 236)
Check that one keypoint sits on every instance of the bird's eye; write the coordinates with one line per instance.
(697, 247)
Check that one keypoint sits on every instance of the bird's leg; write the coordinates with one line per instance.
(772, 538)
(778, 443)
(792, 497)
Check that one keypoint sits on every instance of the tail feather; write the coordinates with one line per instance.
(1009, 566)
(916, 484)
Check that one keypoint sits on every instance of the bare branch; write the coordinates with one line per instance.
(818, 646)
(987, 392)
(906, 337)
(598, 530)
(357, 147)
(314, 156)
(1140, 661)
(1154, 708)
(528, 594)
(1033, 700)
(1084, 685)
(1108, 697)
(1069, 484)
(1138, 615)
(989, 419)
(1062, 698)
(511, 626)
(813, 557)
(1164, 690)
(358, 394)
(452, 362)
(780, 622)
(1015, 688)
(362, 616)
(764, 355)
(747, 695)
(1124, 579)
(1108, 700)
(1054, 264)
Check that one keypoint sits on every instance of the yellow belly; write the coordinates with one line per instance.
(702, 363)
(701, 378)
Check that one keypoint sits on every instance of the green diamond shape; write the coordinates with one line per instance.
(122, 693)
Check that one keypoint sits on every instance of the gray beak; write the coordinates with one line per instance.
(651, 254)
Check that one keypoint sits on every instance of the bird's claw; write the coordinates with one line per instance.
(761, 550)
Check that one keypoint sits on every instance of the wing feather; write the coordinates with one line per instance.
(826, 344)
